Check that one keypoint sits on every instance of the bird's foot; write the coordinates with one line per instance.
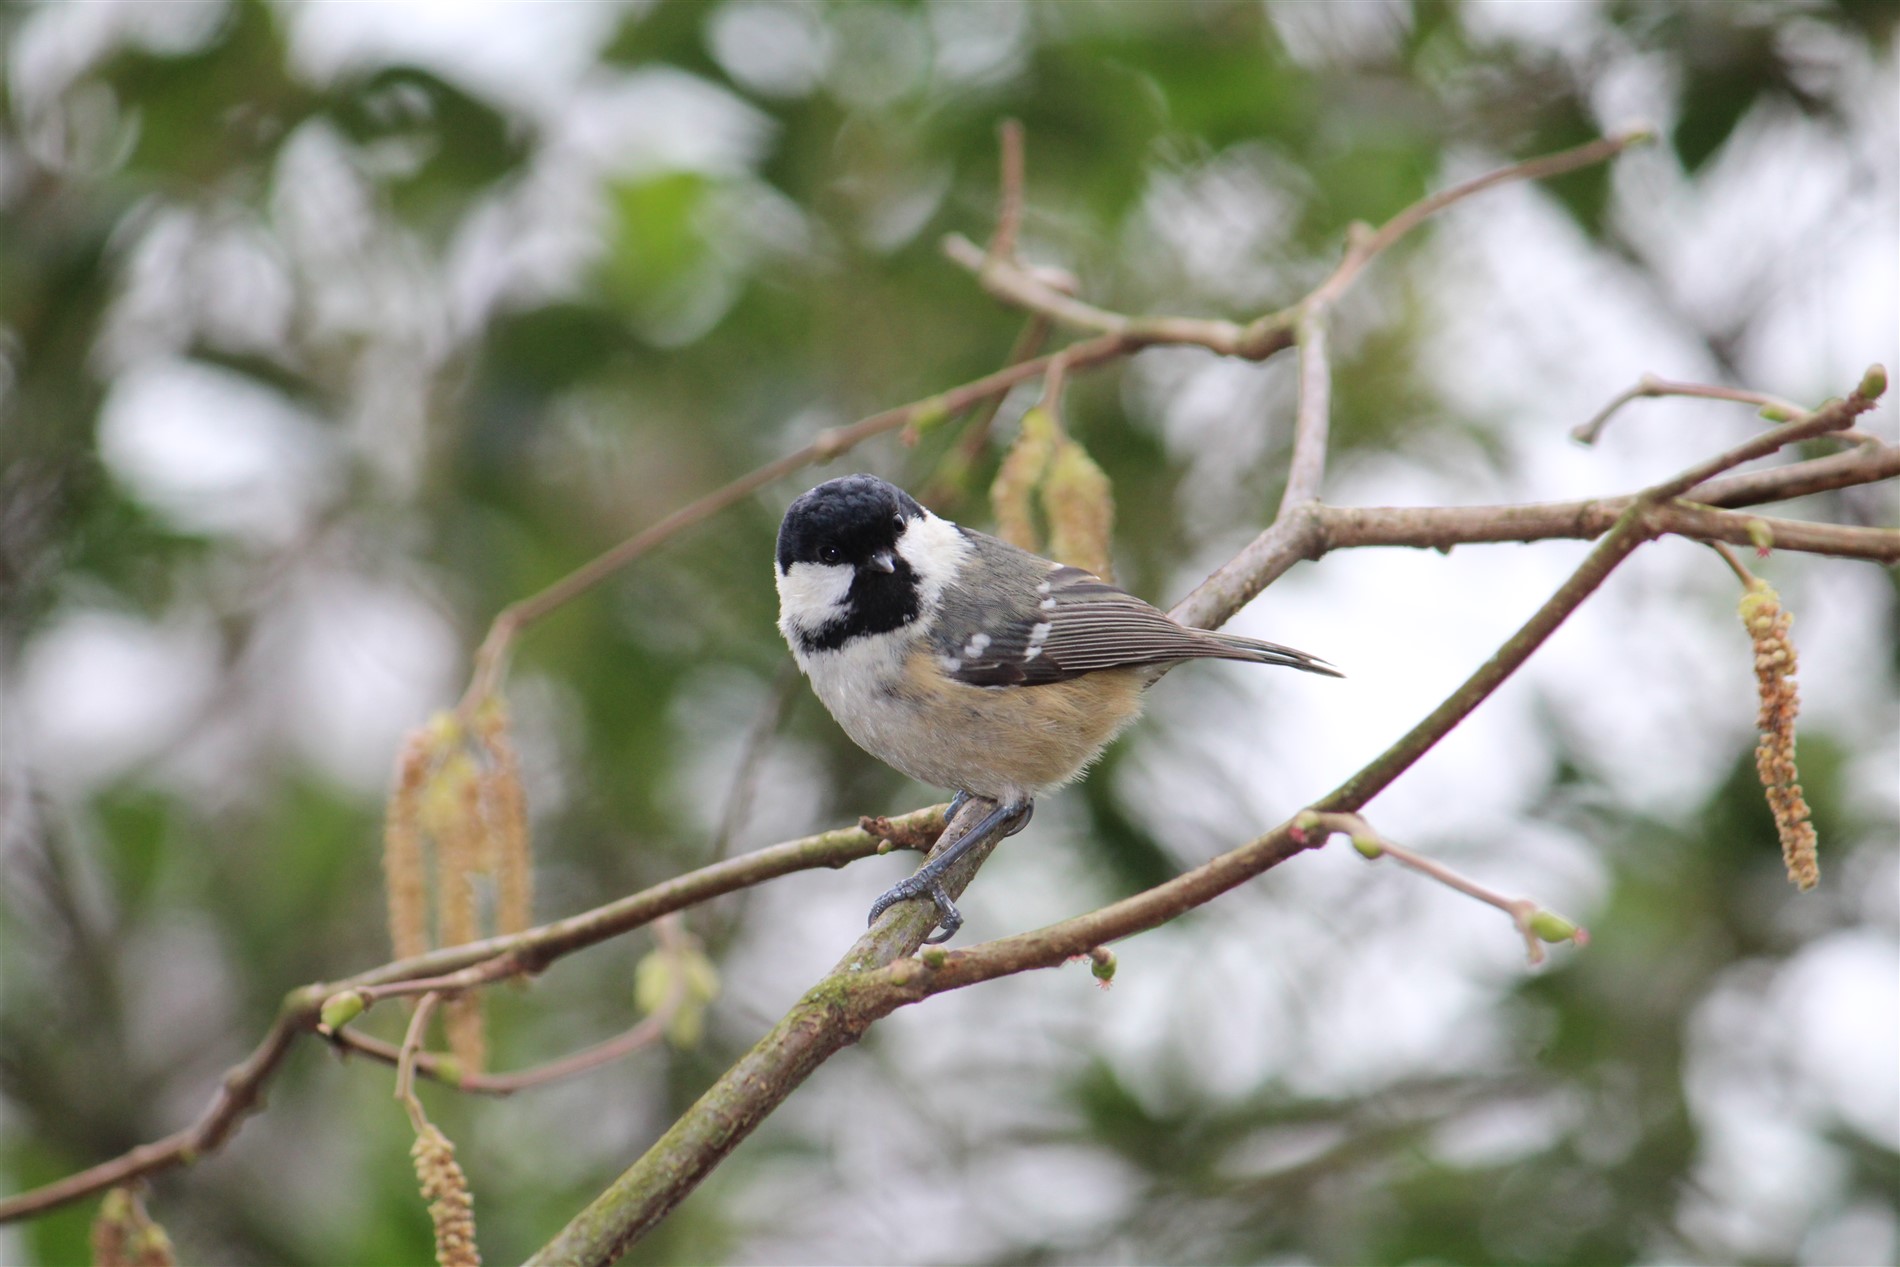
(927, 882)
(1006, 820)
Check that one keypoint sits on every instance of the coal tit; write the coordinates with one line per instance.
(966, 662)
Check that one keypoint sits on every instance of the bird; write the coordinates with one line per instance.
(969, 663)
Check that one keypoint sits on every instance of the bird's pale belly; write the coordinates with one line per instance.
(1007, 743)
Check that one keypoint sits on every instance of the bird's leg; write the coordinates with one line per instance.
(1010, 818)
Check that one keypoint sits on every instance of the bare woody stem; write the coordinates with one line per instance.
(1367, 247)
(1258, 339)
(1692, 506)
(878, 973)
(412, 1043)
(1310, 533)
(1312, 418)
(240, 1091)
(1372, 844)
(1120, 335)
(873, 981)
(1009, 202)
(878, 976)
(1651, 386)
(447, 1069)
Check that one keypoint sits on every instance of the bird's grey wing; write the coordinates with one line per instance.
(1076, 623)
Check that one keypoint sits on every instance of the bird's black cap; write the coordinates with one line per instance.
(855, 515)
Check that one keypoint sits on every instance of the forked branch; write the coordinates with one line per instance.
(879, 974)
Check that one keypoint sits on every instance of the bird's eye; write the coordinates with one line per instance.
(830, 554)
(899, 521)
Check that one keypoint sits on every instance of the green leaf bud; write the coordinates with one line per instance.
(342, 1008)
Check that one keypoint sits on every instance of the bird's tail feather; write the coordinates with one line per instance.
(1258, 652)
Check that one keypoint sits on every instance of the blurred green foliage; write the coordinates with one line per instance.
(522, 350)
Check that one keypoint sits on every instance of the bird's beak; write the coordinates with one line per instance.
(883, 561)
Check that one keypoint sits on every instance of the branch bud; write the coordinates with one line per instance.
(342, 1008)
(1762, 536)
(1369, 846)
(1548, 926)
(1873, 384)
(927, 415)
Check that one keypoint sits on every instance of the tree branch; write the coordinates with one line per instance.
(1312, 419)
(1009, 198)
(1651, 386)
(1308, 531)
(240, 1093)
(878, 974)
(817, 1027)
(1367, 246)
(1013, 283)
(1002, 275)
(872, 981)
(867, 986)
(240, 1089)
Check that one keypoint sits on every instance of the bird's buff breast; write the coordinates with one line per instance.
(1007, 743)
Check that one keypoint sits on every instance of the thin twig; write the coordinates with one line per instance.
(1836, 415)
(446, 1070)
(1443, 527)
(488, 971)
(1736, 566)
(1649, 385)
(1120, 335)
(540, 946)
(1869, 464)
(1367, 247)
(1009, 200)
(1312, 418)
(946, 485)
(1311, 532)
(1024, 287)
(876, 978)
(406, 1061)
(1053, 382)
(240, 1090)
(511, 620)
(240, 1093)
(1525, 914)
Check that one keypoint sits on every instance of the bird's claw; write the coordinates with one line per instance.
(1007, 819)
(922, 885)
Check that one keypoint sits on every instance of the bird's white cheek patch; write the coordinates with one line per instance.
(935, 550)
(812, 595)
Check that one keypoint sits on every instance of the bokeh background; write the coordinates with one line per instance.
(328, 330)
